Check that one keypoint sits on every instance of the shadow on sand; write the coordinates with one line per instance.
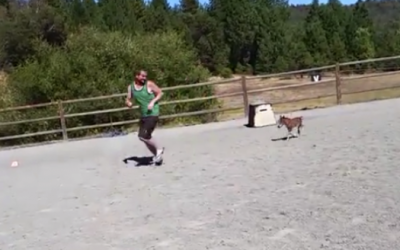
(284, 138)
(141, 161)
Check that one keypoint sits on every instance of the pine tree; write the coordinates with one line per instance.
(158, 16)
(359, 21)
(236, 18)
(270, 47)
(91, 13)
(189, 6)
(315, 36)
(334, 17)
(361, 15)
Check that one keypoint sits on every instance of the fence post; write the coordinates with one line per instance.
(62, 120)
(245, 96)
(338, 84)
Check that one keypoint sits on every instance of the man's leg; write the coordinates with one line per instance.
(147, 127)
(153, 121)
(144, 136)
(149, 146)
(159, 153)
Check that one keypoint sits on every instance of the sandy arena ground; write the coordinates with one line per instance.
(223, 186)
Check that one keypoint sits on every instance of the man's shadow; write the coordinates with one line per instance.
(140, 160)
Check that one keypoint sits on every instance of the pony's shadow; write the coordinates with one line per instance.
(285, 138)
(140, 160)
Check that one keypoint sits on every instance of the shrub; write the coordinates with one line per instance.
(225, 72)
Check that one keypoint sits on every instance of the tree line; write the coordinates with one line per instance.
(64, 49)
(253, 36)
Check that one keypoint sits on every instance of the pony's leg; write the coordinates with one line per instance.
(289, 135)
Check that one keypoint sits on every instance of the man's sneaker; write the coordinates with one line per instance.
(158, 158)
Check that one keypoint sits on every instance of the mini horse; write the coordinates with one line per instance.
(290, 124)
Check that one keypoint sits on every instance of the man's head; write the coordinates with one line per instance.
(140, 76)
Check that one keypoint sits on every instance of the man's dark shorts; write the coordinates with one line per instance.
(147, 124)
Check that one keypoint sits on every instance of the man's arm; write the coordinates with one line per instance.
(156, 90)
(128, 99)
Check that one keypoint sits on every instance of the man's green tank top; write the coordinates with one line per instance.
(143, 98)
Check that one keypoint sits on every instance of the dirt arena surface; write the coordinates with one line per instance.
(223, 186)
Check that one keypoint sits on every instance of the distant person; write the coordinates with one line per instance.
(146, 94)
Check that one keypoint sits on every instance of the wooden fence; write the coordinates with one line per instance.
(244, 92)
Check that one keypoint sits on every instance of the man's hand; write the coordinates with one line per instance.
(128, 103)
(150, 106)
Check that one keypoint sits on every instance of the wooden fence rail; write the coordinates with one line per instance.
(62, 115)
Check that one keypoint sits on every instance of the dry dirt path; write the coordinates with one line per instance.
(223, 186)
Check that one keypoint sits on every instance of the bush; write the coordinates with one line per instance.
(93, 63)
(225, 73)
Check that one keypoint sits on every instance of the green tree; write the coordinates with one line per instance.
(334, 19)
(158, 16)
(361, 16)
(189, 6)
(122, 15)
(389, 42)
(298, 56)
(269, 46)
(91, 13)
(315, 36)
(365, 45)
(236, 18)
(76, 13)
(25, 28)
(204, 34)
(5, 3)
(359, 19)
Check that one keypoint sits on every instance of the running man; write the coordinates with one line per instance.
(146, 94)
